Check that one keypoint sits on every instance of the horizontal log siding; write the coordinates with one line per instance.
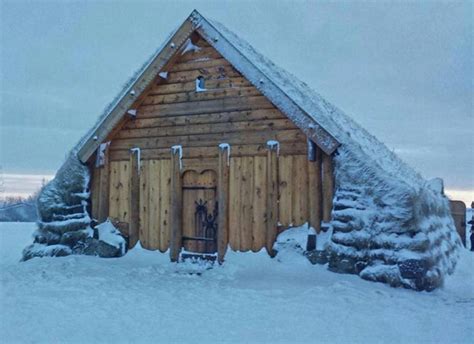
(231, 110)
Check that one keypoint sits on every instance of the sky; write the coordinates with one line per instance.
(404, 70)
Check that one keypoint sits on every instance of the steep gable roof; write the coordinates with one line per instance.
(321, 121)
(246, 65)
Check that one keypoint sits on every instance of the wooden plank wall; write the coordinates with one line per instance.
(119, 194)
(247, 203)
(293, 186)
(230, 111)
(155, 193)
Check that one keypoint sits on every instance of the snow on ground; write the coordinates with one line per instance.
(251, 298)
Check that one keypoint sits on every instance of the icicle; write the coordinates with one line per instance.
(173, 45)
(137, 149)
(100, 160)
(273, 144)
(132, 92)
(224, 146)
(178, 149)
(132, 112)
(200, 84)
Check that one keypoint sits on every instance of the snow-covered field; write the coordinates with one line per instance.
(142, 298)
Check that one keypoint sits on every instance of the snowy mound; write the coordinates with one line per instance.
(64, 224)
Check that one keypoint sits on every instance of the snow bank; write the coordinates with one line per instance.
(251, 298)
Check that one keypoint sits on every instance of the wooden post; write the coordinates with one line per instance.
(328, 187)
(315, 188)
(272, 196)
(176, 235)
(134, 197)
(104, 186)
(223, 202)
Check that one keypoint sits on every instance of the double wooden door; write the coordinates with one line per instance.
(200, 211)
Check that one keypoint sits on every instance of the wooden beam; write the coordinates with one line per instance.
(206, 106)
(328, 186)
(104, 186)
(193, 96)
(272, 196)
(233, 116)
(315, 189)
(223, 202)
(176, 235)
(274, 124)
(190, 86)
(134, 224)
(212, 139)
(226, 71)
(209, 152)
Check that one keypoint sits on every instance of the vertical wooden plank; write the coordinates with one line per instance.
(104, 187)
(272, 197)
(315, 191)
(299, 192)
(144, 203)
(134, 197)
(176, 234)
(154, 204)
(223, 202)
(285, 164)
(165, 182)
(328, 187)
(124, 187)
(259, 203)
(246, 204)
(234, 203)
(114, 195)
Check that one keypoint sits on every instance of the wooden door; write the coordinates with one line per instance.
(200, 211)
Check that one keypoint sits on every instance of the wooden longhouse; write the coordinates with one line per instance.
(204, 151)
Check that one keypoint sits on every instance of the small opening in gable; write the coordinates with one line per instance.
(200, 84)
